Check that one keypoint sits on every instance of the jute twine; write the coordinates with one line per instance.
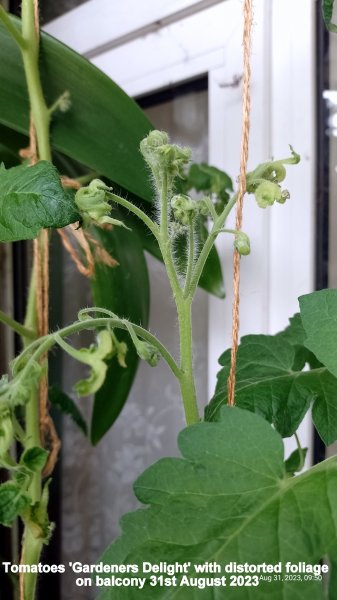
(247, 33)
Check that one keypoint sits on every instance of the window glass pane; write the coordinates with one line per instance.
(50, 9)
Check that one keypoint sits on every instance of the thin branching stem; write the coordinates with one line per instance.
(207, 247)
(23, 331)
(153, 227)
(44, 344)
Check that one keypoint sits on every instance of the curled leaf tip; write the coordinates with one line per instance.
(95, 357)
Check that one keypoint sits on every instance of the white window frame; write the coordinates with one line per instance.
(148, 45)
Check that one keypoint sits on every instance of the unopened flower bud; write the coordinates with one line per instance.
(147, 352)
(267, 193)
(242, 243)
(64, 102)
(184, 208)
(91, 202)
(203, 207)
(162, 157)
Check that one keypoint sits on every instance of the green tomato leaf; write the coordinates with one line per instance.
(228, 500)
(295, 461)
(12, 502)
(32, 198)
(295, 335)
(328, 8)
(270, 382)
(17, 390)
(34, 459)
(67, 406)
(123, 289)
(106, 125)
(210, 180)
(319, 318)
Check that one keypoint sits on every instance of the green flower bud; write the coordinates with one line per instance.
(203, 207)
(64, 102)
(242, 243)
(272, 172)
(184, 208)
(147, 352)
(144, 350)
(154, 140)
(162, 157)
(267, 193)
(279, 172)
(91, 203)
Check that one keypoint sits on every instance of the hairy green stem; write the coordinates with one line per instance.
(184, 307)
(44, 344)
(166, 252)
(187, 385)
(136, 211)
(164, 209)
(217, 226)
(23, 331)
(164, 241)
(190, 259)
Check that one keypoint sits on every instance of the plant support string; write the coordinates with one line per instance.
(247, 30)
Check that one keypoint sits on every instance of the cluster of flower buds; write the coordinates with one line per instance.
(64, 102)
(265, 181)
(185, 210)
(268, 192)
(92, 205)
(162, 157)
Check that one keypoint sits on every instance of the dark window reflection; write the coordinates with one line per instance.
(50, 9)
